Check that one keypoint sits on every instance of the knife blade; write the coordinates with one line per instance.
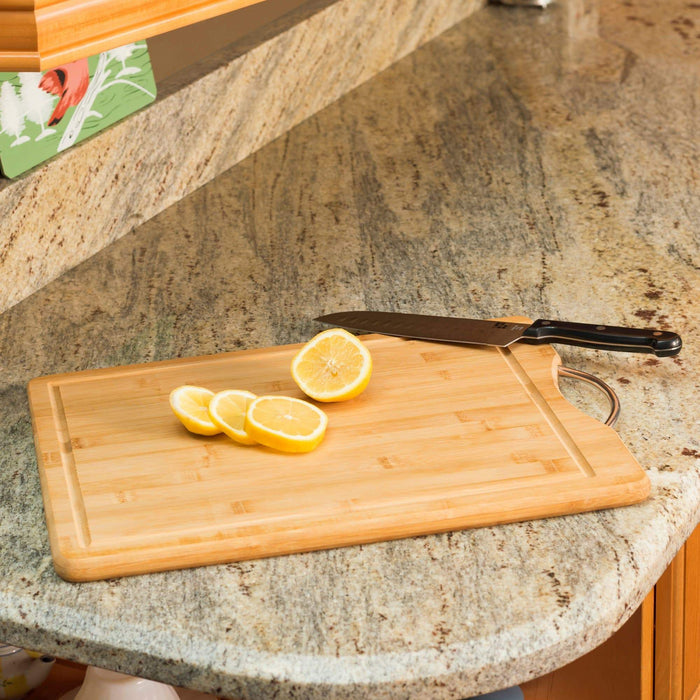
(502, 333)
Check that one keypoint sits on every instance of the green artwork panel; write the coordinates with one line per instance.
(44, 113)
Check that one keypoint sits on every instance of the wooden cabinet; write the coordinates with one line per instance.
(654, 656)
(40, 34)
(677, 626)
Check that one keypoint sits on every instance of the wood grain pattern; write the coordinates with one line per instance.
(677, 629)
(669, 638)
(646, 647)
(691, 651)
(445, 437)
(40, 35)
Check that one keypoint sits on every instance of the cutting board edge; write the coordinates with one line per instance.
(34, 389)
(75, 563)
(36, 383)
(81, 566)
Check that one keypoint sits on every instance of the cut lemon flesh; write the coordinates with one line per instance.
(227, 410)
(190, 404)
(285, 423)
(333, 366)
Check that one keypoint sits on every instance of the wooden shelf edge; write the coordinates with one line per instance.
(17, 61)
(52, 34)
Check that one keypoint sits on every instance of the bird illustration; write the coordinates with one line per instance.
(70, 82)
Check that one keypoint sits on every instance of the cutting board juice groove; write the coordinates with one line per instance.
(70, 473)
(545, 409)
(445, 437)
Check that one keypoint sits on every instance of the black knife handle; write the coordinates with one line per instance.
(588, 335)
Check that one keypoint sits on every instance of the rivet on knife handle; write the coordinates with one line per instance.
(588, 335)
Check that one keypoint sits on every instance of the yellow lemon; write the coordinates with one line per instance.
(285, 423)
(190, 405)
(333, 366)
(227, 409)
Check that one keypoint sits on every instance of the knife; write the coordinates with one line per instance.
(503, 333)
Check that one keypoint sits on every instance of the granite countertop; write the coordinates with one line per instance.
(524, 162)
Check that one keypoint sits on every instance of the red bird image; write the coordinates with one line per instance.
(70, 81)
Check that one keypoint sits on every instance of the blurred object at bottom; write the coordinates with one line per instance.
(513, 693)
(101, 684)
(21, 670)
(521, 3)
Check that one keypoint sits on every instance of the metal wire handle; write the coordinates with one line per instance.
(591, 379)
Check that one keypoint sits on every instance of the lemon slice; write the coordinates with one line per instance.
(227, 409)
(285, 423)
(190, 404)
(333, 366)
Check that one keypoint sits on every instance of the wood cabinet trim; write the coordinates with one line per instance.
(41, 34)
(646, 660)
(691, 614)
(668, 671)
(677, 633)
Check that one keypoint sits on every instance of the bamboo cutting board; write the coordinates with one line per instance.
(445, 437)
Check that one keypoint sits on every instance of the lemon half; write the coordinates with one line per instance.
(333, 366)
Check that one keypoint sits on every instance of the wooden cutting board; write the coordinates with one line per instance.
(445, 437)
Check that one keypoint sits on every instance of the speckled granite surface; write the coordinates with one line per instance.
(522, 163)
(203, 122)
